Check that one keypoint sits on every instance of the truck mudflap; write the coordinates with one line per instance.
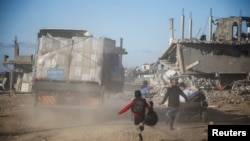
(47, 99)
(61, 94)
(56, 98)
(94, 101)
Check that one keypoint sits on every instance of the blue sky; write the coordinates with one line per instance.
(143, 24)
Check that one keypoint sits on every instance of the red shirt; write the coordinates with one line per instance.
(129, 105)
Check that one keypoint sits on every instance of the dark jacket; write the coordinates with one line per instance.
(173, 95)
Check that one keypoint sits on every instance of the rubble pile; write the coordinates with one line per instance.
(238, 94)
(224, 97)
(241, 87)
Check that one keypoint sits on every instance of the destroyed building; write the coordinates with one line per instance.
(218, 62)
(19, 76)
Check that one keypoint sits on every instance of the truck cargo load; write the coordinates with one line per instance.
(70, 65)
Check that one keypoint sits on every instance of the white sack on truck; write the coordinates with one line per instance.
(53, 58)
(53, 65)
(49, 44)
(87, 60)
(79, 59)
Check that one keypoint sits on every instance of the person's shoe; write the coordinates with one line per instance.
(141, 126)
(167, 122)
(171, 128)
(140, 137)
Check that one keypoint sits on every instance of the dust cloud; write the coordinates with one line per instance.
(49, 118)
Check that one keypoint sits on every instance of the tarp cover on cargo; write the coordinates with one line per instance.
(78, 59)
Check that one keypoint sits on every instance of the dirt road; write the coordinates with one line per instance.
(20, 121)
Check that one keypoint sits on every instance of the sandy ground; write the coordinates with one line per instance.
(21, 121)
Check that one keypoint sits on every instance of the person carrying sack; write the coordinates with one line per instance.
(173, 96)
(138, 107)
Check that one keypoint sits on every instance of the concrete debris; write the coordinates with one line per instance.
(241, 87)
(238, 94)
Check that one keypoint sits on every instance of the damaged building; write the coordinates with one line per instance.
(19, 77)
(219, 62)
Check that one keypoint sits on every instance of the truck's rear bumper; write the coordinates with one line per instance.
(62, 94)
